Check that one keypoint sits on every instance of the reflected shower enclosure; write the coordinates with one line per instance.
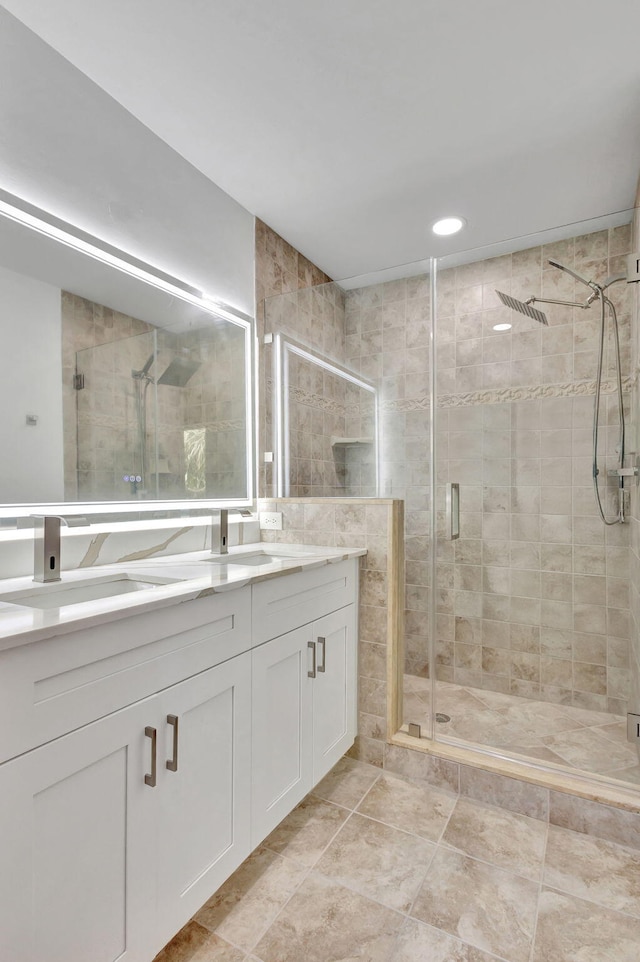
(159, 415)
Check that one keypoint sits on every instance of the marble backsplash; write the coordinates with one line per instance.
(102, 544)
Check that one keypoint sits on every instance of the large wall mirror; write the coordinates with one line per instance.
(120, 384)
(326, 420)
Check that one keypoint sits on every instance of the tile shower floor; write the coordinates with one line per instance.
(376, 867)
(589, 741)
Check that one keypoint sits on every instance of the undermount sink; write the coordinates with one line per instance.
(61, 593)
(256, 558)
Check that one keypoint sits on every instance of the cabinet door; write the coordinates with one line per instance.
(282, 729)
(334, 689)
(76, 827)
(203, 829)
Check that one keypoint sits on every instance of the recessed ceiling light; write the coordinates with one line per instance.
(448, 225)
(502, 327)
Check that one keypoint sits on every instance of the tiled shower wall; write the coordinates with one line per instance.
(281, 269)
(388, 330)
(533, 597)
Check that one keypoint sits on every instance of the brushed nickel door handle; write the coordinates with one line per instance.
(153, 735)
(453, 510)
(172, 763)
(323, 643)
(312, 673)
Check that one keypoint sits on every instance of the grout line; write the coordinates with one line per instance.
(581, 898)
(540, 886)
(447, 847)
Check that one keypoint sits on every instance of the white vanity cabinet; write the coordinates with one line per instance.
(203, 790)
(117, 832)
(142, 759)
(78, 831)
(304, 689)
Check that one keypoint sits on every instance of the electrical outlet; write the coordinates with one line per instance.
(271, 520)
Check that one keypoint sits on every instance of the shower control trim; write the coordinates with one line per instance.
(633, 727)
(633, 268)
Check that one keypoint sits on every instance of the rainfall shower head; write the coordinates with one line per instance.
(523, 308)
(179, 371)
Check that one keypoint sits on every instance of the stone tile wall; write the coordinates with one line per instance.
(281, 270)
(533, 598)
(388, 330)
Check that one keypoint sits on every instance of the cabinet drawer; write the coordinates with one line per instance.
(282, 604)
(54, 686)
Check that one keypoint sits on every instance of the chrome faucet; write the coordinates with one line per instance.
(46, 545)
(220, 533)
(220, 529)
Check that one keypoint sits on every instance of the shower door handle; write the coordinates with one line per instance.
(453, 510)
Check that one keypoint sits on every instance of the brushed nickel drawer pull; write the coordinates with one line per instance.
(323, 643)
(153, 735)
(312, 673)
(172, 763)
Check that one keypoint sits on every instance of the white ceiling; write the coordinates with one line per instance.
(350, 125)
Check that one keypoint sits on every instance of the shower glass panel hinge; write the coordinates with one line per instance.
(414, 730)
(78, 382)
(633, 727)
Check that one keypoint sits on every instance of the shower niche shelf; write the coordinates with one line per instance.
(349, 442)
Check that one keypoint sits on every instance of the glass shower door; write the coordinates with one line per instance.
(533, 645)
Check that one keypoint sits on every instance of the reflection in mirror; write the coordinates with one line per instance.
(326, 435)
(119, 386)
(156, 415)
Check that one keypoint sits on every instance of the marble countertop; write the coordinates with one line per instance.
(194, 574)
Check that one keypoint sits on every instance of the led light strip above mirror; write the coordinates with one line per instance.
(50, 226)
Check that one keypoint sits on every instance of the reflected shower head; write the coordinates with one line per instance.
(179, 371)
(523, 308)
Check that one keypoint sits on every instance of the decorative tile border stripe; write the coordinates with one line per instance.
(531, 393)
(330, 404)
(233, 424)
(406, 404)
(300, 396)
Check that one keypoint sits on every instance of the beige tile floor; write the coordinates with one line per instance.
(588, 741)
(374, 867)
